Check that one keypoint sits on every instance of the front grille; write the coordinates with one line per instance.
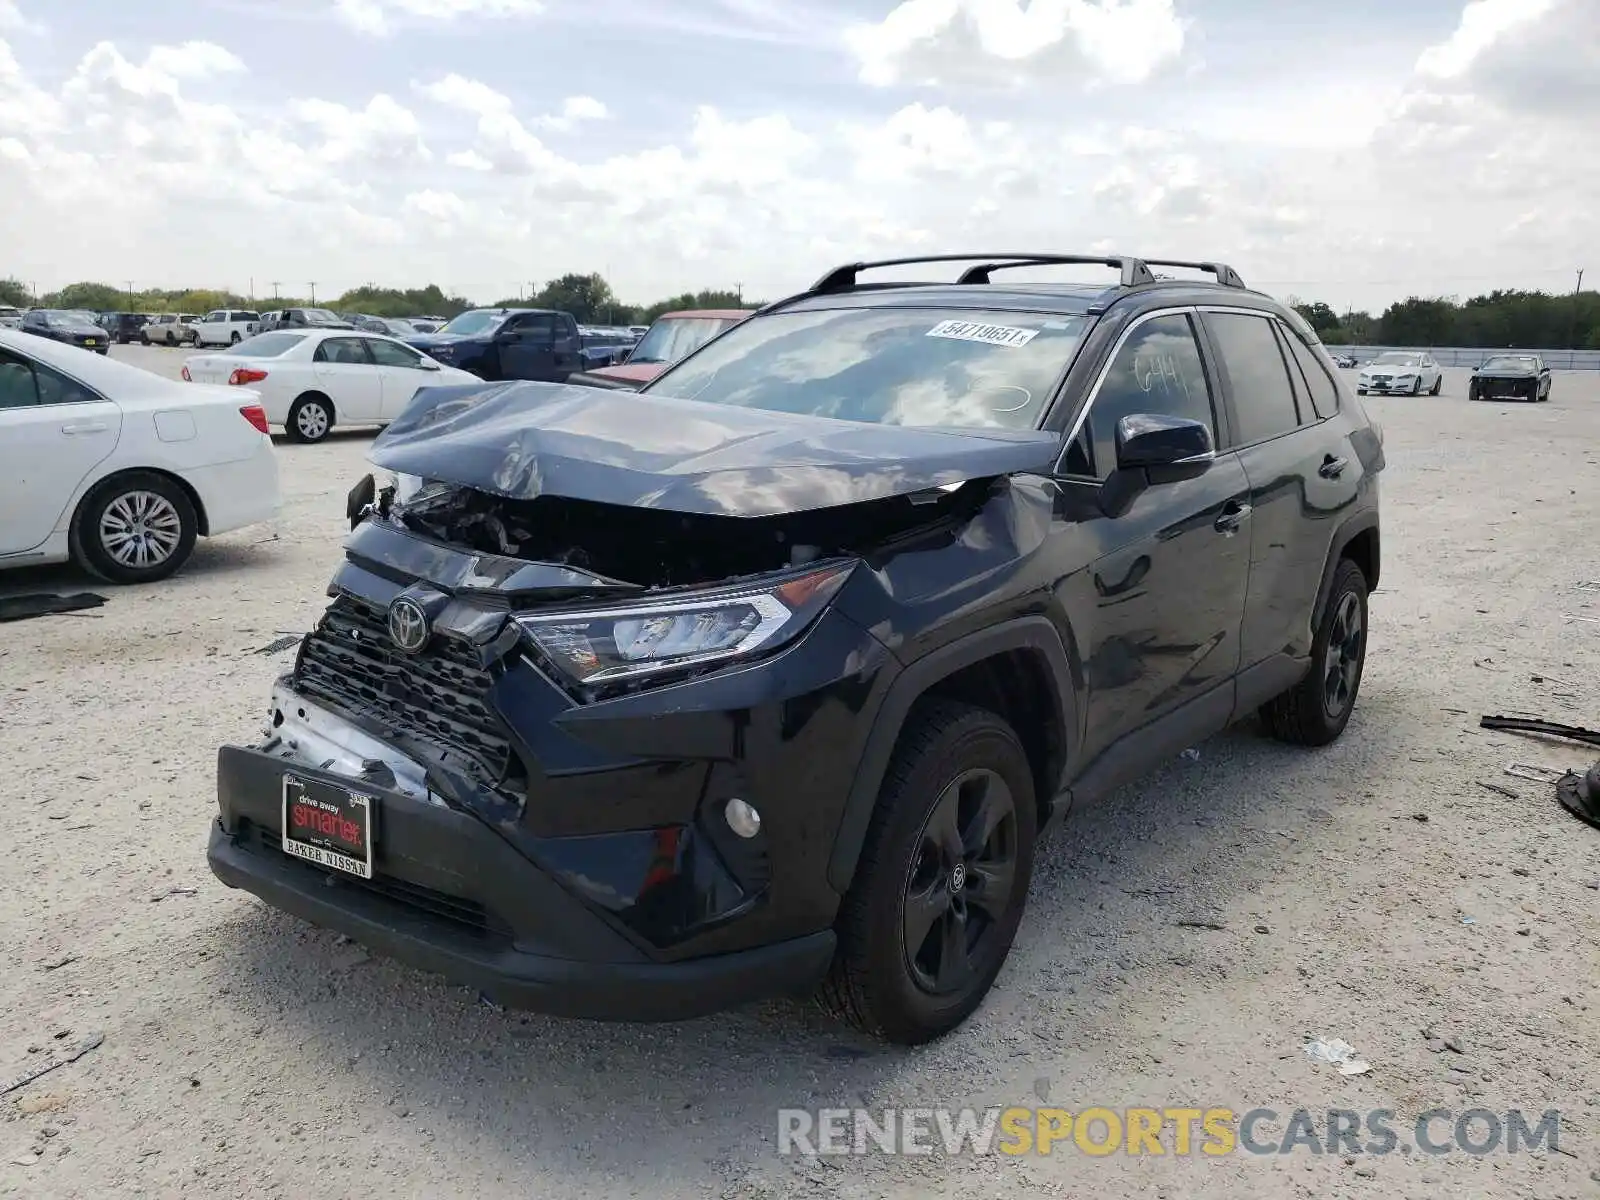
(468, 915)
(436, 697)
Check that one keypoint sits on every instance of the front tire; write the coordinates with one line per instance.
(134, 528)
(1416, 386)
(1361, 391)
(235, 339)
(310, 419)
(1437, 385)
(942, 881)
(1315, 711)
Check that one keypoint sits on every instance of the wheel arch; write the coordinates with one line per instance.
(202, 521)
(317, 394)
(1013, 669)
(1358, 540)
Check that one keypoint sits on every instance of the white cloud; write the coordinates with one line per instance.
(1012, 42)
(1483, 23)
(575, 110)
(380, 17)
(468, 95)
(12, 20)
(194, 60)
(382, 131)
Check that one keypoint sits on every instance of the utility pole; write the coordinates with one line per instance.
(1575, 292)
(738, 290)
(313, 283)
(130, 295)
(274, 289)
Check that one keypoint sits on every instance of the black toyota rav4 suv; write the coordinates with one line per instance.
(766, 678)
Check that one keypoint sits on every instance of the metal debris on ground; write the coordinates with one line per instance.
(280, 645)
(55, 964)
(1190, 755)
(173, 891)
(1337, 1053)
(44, 604)
(1575, 733)
(1495, 787)
(1535, 772)
(84, 1045)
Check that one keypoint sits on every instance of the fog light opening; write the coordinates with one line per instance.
(743, 819)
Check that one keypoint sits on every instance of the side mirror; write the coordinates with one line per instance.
(429, 365)
(1146, 440)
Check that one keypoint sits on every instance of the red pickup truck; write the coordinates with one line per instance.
(673, 336)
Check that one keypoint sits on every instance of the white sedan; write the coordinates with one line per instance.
(310, 380)
(1406, 371)
(119, 469)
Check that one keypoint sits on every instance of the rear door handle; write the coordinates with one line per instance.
(1332, 467)
(1232, 517)
(84, 427)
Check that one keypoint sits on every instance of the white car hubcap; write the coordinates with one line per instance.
(140, 529)
(312, 421)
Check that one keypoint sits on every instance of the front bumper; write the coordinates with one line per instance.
(1506, 387)
(1387, 385)
(450, 896)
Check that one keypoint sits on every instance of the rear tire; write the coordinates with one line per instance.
(949, 853)
(1315, 711)
(137, 527)
(310, 419)
(1437, 385)
(235, 339)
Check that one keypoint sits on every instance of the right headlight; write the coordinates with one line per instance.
(650, 637)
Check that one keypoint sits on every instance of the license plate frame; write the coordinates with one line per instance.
(333, 808)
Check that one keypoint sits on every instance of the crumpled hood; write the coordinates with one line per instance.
(523, 440)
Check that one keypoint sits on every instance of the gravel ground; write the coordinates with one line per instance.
(1368, 892)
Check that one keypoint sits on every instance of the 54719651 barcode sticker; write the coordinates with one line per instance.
(991, 335)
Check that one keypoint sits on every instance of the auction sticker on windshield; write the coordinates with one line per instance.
(991, 335)
(327, 825)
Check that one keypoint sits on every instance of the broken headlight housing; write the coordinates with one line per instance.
(683, 631)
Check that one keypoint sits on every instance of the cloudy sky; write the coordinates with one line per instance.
(1354, 152)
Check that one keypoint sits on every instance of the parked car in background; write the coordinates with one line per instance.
(388, 326)
(673, 337)
(424, 325)
(1510, 377)
(638, 331)
(508, 343)
(767, 679)
(1344, 360)
(302, 318)
(1406, 371)
(169, 329)
(123, 327)
(69, 327)
(120, 469)
(310, 380)
(225, 326)
(602, 347)
(10, 318)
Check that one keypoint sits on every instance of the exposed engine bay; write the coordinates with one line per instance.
(661, 548)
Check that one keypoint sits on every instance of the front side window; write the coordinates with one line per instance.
(1263, 398)
(537, 325)
(938, 368)
(1156, 371)
(392, 354)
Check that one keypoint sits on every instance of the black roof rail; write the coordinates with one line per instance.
(1133, 270)
(1225, 274)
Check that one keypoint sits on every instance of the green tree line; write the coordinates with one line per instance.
(588, 298)
(1502, 319)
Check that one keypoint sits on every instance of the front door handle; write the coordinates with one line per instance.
(84, 427)
(1232, 517)
(1332, 467)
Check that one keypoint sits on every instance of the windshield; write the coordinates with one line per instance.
(321, 316)
(672, 338)
(1509, 364)
(1396, 360)
(886, 366)
(70, 320)
(469, 324)
(266, 345)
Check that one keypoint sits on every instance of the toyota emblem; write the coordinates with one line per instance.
(408, 625)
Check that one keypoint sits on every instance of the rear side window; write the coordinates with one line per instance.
(246, 316)
(17, 389)
(1324, 393)
(1263, 397)
(539, 325)
(343, 350)
(1158, 371)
